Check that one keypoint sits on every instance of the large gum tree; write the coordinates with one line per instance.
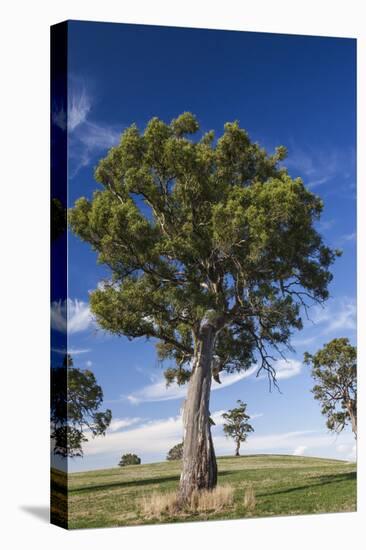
(213, 253)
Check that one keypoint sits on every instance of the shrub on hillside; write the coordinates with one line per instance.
(129, 459)
(176, 452)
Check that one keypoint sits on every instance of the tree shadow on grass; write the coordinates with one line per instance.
(323, 480)
(131, 483)
(119, 484)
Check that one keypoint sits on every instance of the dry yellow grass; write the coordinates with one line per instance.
(249, 498)
(159, 504)
(219, 498)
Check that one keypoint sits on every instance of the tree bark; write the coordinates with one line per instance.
(199, 462)
(237, 453)
(351, 407)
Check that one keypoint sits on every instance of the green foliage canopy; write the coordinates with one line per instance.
(75, 400)
(129, 459)
(236, 422)
(334, 369)
(176, 452)
(188, 225)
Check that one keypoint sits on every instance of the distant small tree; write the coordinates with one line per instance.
(176, 452)
(334, 369)
(129, 459)
(236, 424)
(75, 400)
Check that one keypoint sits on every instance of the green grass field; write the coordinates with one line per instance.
(283, 485)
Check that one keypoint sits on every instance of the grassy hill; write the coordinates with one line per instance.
(282, 485)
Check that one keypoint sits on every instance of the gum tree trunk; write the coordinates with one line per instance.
(199, 462)
(351, 407)
(237, 448)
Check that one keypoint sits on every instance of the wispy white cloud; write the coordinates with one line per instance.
(88, 137)
(306, 341)
(336, 315)
(350, 236)
(88, 143)
(345, 318)
(158, 390)
(334, 318)
(256, 415)
(95, 137)
(71, 351)
(154, 438)
(318, 167)
(59, 117)
(118, 424)
(319, 181)
(324, 225)
(287, 369)
(79, 105)
(347, 238)
(70, 316)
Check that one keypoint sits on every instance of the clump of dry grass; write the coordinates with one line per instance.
(156, 505)
(249, 498)
(215, 500)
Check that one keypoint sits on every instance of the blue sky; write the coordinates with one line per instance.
(285, 90)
